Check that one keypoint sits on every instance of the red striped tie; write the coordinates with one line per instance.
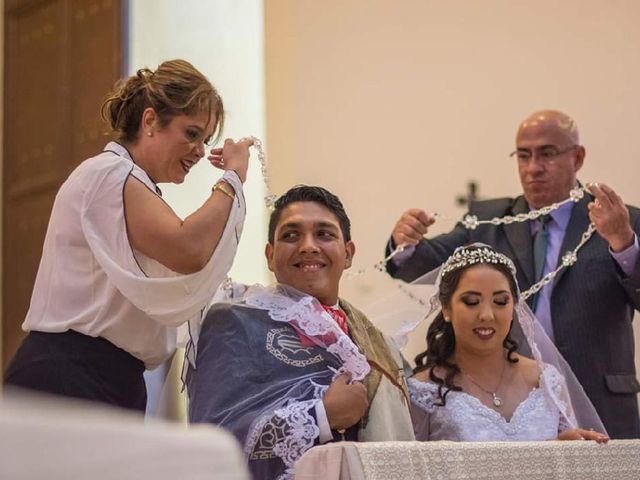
(339, 316)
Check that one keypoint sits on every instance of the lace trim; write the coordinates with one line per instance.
(353, 361)
(303, 431)
(423, 395)
(319, 390)
(564, 424)
(289, 433)
(552, 378)
(467, 409)
(284, 309)
(307, 315)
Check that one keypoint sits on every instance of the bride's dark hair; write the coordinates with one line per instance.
(441, 340)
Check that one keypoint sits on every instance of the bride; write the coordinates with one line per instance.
(471, 384)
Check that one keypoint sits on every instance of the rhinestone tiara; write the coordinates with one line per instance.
(471, 255)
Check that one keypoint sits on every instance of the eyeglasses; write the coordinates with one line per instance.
(545, 154)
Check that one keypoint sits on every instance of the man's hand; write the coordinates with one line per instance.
(345, 403)
(610, 217)
(412, 225)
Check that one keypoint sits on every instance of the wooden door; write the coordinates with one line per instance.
(61, 58)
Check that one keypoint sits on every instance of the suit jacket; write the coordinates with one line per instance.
(592, 302)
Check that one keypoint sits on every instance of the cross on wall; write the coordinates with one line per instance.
(470, 196)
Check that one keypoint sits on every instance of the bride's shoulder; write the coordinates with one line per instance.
(422, 384)
(526, 363)
(422, 391)
(552, 375)
(534, 372)
(423, 375)
(529, 369)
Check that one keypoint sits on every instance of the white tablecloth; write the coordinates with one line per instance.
(619, 459)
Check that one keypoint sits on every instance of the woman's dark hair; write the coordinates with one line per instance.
(441, 340)
(175, 88)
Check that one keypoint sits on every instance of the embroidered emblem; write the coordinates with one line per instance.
(266, 434)
(284, 344)
(287, 434)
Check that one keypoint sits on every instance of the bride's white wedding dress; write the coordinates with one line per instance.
(465, 418)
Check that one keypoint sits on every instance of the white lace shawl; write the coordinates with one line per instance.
(290, 423)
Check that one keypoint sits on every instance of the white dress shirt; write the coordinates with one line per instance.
(91, 280)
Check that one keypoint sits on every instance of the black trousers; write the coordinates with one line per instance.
(75, 365)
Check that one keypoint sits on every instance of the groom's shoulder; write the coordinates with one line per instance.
(226, 316)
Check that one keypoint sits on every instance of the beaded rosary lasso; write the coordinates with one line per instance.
(471, 222)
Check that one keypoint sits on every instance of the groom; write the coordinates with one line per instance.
(263, 372)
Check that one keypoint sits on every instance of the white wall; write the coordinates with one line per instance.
(394, 104)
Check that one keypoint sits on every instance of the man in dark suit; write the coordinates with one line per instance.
(588, 309)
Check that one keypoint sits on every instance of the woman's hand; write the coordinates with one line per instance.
(582, 434)
(232, 156)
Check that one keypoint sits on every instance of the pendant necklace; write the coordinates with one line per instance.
(497, 399)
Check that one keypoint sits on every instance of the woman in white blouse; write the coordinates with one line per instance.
(120, 271)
